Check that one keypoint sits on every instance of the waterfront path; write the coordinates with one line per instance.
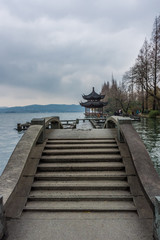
(80, 185)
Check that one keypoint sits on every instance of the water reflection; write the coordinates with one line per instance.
(149, 131)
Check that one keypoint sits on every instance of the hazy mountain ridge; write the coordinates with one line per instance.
(42, 108)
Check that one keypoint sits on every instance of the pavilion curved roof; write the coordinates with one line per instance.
(93, 96)
(93, 104)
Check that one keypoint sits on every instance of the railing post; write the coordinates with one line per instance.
(121, 121)
(2, 219)
(110, 124)
(39, 121)
(56, 123)
(119, 135)
(19, 127)
(157, 219)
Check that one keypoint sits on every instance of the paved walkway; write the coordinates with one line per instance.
(79, 226)
(82, 133)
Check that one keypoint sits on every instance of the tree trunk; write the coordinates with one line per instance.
(142, 92)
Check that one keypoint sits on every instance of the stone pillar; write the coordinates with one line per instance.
(110, 124)
(55, 124)
(19, 127)
(2, 219)
(122, 120)
(157, 218)
(39, 121)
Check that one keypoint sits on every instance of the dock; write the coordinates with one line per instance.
(80, 183)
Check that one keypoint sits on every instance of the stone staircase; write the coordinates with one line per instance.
(80, 175)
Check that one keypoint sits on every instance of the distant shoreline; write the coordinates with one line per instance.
(58, 108)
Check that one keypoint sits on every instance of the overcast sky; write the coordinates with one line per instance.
(54, 51)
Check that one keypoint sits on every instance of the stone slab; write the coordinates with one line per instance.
(130, 171)
(143, 207)
(83, 158)
(144, 167)
(17, 161)
(16, 204)
(82, 134)
(79, 141)
(79, 193)
(124, 150)
(2, 219)
(91, 227)
(80, 146)
(85, 205)
(135, 186)
(81, 151)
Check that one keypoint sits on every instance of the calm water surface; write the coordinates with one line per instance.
(9, 137)
(148, 129)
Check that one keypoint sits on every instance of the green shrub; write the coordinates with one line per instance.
(154, 113)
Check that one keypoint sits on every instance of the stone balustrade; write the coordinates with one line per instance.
(148, 177)
(16, 164)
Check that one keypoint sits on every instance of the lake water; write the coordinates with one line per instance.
(148, 129)
(9, 137)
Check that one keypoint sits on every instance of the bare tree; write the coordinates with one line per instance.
(123, 97)
(128, 78)
(145, 74)
(144, 57)
(118, 96)
(155, 58)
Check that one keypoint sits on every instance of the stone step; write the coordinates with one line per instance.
(80, 193)
(82, 158)
(50, 197)
(82, 166)
(80, 141)
(80, 185)
(80, 146)
(76, 206)
(92, 175)
(82, 151)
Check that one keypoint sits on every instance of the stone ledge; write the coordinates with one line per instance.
(148, 177)
(17, 161)
(19, 157)
(2, 220)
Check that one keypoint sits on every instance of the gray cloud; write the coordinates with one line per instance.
(53, 51)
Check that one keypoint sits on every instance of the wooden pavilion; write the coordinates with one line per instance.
(94, 105)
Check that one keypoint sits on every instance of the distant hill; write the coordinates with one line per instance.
(43, 108)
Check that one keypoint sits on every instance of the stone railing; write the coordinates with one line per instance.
(2, 219)
(147, 175)
(116, 122)
(16, 164)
